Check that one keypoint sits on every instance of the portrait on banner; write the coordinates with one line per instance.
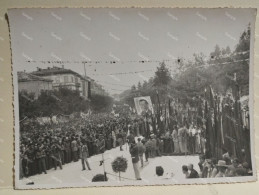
(143, 105)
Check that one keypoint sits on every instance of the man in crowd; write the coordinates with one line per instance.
(135, 159)
(40, 156)
(74, 148)
(114, 139)
(148, 145)
(222, 167)
(130, 139)
(185, 171)
(193, 172)
(101, 144)
(56, 156)
(120, 139)
(84, 155)
(141, 150)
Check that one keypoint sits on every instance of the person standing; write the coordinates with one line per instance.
(130, 139)
(153, 145)
(74, 148)
(167, 143)
(101, 144)
(176, 141)
(84, 154)
(30, 168)
(191, 140)
(40, 156)
(148, 146)
(182, 133)
(141, 150)
(55, 150)
(113, 139)
(135, 159)
(67, 147)
(120, 140)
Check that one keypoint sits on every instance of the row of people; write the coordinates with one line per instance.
(209, 168)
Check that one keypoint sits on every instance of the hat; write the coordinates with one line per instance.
(221, 163)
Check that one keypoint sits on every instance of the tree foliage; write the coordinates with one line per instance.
(120, 164)
(63, 101)
(222, 69)
(101, 103)
(162, 76)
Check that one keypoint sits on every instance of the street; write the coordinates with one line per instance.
(72, 172)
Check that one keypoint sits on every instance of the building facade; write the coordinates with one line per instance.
(33, 84)
(66, 78)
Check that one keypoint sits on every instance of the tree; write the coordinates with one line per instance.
(139, 86)
(101, 103)
(27, 105)
(216, 53)
(133, 88)
(62, 101)
(162, 76)
(120, 164)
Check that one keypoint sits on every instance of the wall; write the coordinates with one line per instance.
(35, 86)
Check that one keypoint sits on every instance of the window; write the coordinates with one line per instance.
(57, 79)
(65, 79)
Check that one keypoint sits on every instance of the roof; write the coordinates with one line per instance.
(24, 77)
(57, 70)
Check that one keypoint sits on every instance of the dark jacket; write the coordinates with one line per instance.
(193, 174)
(134, 153)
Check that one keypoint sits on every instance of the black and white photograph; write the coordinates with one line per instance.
(132, 96)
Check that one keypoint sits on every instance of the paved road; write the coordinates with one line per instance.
(72, 173)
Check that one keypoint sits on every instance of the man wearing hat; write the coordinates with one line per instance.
(222, 167)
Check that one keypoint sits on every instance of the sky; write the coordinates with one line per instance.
(127, 36)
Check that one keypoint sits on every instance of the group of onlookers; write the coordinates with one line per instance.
(210, 168)
(51, 146)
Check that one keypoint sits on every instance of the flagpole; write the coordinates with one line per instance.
(104, 172)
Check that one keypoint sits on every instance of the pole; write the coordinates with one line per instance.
(84, 70)
(104, 172)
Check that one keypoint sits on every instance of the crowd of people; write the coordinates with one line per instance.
(228, 166)
(43, 147)
(49, 146)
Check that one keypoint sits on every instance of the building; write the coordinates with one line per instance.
(32, 83)
(66, 78)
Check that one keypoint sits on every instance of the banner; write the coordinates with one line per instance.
(143, 105)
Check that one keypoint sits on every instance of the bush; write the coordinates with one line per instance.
(99, 177)
(120, 164)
